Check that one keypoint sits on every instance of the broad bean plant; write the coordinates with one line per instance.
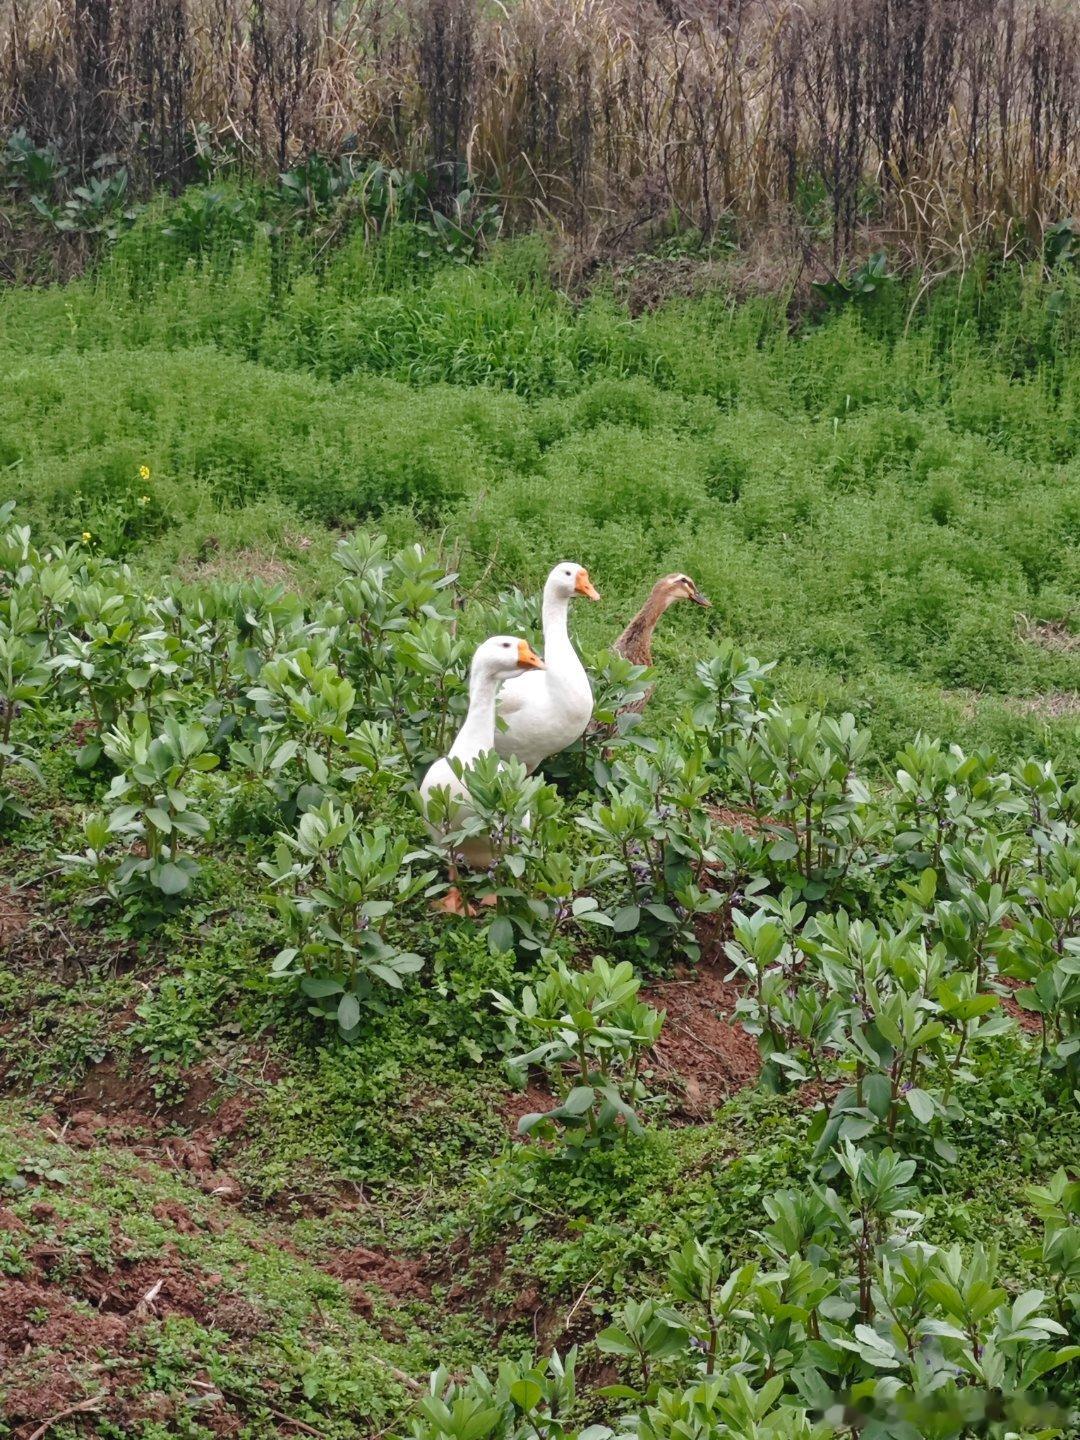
(884, 926)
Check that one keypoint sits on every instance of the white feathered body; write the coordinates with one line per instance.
(493, 662)
(544, 711)
(544, 714)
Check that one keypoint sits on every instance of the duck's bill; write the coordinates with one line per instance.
(584, 586)
(702, 600)
(528, 658)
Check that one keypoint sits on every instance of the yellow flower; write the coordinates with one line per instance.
(86, 537)
(144, 499)
(144, 472)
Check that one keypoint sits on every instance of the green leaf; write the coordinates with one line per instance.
(89, 755)
(160, 820)
(920, 1105)
(319, 986)
(878, 1094)
(614, 1341)
(579, 1100)
(171, 880)
(626, 919)
(348, 1011)
(526, 1395)
(500, 936)
(480, 1425)
(595, 917)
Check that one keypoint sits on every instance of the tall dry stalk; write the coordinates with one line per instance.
(946, 121)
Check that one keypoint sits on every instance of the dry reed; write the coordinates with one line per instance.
(952, 123)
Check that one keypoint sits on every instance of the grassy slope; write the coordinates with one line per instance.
(876, 511)
(891, 510)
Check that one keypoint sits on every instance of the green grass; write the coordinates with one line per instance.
(888, 504)
(273, 1336)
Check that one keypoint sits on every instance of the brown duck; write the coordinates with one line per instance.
(635, 642)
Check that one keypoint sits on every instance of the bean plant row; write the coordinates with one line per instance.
(885, 930)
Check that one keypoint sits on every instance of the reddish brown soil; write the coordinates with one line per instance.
(735, 818)
(14, 918)
(534, 1098)
(57, 1321)
(398, 1278)
(108, 1091)
(1026, 1019)
(704, 1054)
(115, 1107)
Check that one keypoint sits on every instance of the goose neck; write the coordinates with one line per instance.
(477, 733)
(556, 628)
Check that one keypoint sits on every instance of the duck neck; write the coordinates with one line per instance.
(635, 643)
(477, 734)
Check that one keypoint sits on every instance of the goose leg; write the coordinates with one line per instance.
(453, 902)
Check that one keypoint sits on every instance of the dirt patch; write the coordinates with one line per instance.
(1055, 635)
(56, 1325)
(172, 1212)
(533, 1099)
(147, 1289)
(194, 1154)
(398, 1277)
(227, 1121)
(735, 818)
(122, 1106)
(14, 919)
(704, 1054)
(644, 282)
(108, 1089)
(149, 1131)
(1028, 1021)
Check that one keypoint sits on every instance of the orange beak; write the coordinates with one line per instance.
(528, 658)
(584, 586)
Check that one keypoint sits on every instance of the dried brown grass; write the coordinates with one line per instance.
(1054, 635)
(954, 121)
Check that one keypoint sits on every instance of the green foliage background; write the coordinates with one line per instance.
(887, 500)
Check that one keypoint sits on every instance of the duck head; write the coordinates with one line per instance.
(673, 588)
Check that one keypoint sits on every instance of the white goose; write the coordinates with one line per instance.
(494, 661)
(547, 711)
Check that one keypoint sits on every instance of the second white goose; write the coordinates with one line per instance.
(496, 660)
